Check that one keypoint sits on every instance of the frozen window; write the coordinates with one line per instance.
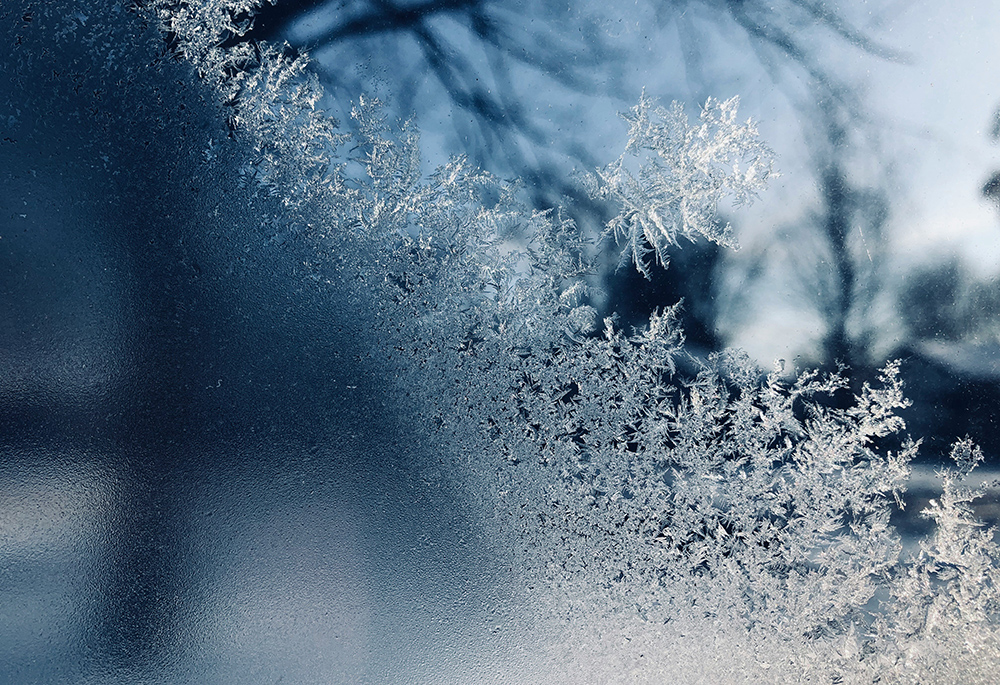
(387, 364)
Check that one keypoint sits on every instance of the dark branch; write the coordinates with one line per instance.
(390, 17)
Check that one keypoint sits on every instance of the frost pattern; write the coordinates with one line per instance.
(947, 624)
(743, 517)
(734, 508)
(683, 173)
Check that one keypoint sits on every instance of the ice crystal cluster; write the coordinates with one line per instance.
(726, 526)
(683, 173)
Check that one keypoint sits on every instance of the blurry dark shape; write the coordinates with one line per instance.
(929, 303)
(690, 279)
(945, 302)
(954, 395)
(952, 360)
(991, 189)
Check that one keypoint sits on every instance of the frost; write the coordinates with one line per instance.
(684, 172)
(729, 505)
(946, 623)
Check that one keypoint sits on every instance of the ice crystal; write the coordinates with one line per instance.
(684, 172)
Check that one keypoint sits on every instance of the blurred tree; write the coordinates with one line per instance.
(828, 261)
(492, 64)
(835, 261)
(510, 84)
(850, 221)
(945, 302)
(479, 64)
(991, 188)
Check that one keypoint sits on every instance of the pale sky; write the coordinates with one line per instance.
(943, 104)
(933, 115)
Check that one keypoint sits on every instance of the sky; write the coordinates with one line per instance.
(932, 113)
(941, 107)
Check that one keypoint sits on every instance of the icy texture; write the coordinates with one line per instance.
(684, 172)
(731, 527)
